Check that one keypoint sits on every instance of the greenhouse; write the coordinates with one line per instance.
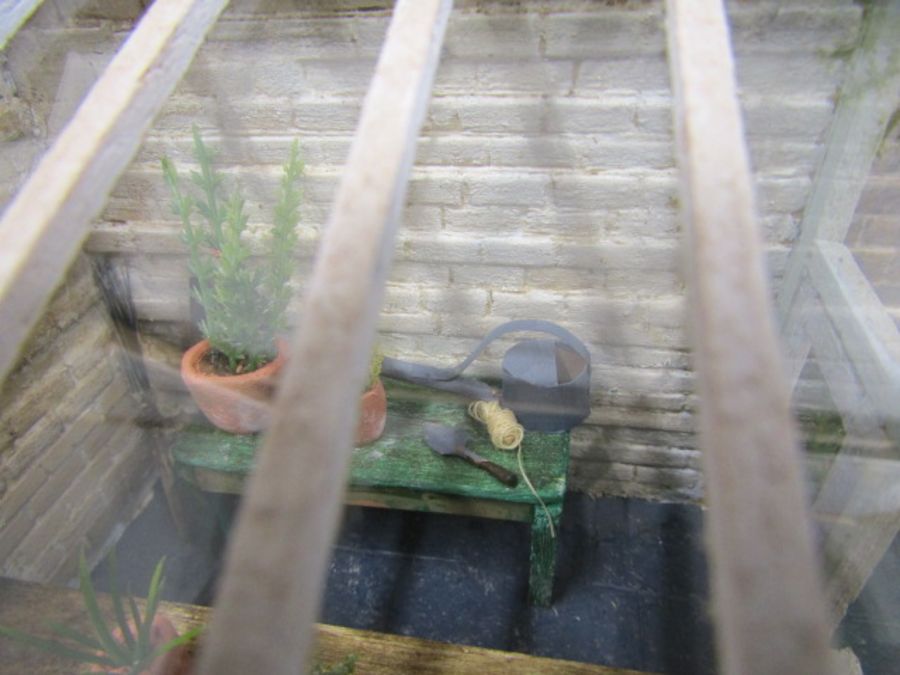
(388, 336)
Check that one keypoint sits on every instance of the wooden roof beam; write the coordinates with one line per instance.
(42, 230)
(279, 550)
(13, 15)
(768, 604)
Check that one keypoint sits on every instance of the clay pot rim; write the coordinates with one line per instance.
(373, 390)
(194, 354)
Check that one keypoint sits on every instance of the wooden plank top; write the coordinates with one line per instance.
(31, 607)
(399, 459)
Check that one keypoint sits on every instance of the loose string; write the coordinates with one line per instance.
(506, 434)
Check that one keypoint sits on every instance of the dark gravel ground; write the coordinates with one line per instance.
(631, 585)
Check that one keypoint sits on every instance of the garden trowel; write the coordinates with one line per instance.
(448, 441)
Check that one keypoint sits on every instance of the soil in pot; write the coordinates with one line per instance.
(238, 404)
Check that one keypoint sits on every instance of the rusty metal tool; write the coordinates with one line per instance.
(452, 442)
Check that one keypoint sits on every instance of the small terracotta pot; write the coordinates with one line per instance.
(177, 661)
(373, 414)
(238, 404)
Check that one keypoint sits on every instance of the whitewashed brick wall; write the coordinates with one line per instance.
(544, 184)
(73, 465)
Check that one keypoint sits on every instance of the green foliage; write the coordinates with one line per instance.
(823, 432)
(133, 651)
(374, 368)
(244, 300)
(345, 667)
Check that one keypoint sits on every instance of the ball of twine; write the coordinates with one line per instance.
(504, 429)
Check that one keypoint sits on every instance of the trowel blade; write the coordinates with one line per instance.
(446, 440)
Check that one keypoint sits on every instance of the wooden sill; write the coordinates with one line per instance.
(31, 607)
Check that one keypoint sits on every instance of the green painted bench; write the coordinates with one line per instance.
(399, 471)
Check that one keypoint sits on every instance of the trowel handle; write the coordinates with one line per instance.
(506, 477)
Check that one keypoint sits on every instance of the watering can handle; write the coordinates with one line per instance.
(520, 325)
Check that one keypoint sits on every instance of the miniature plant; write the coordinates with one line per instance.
(122, 645)
(374, 368)
(345, 667)
(244, 302)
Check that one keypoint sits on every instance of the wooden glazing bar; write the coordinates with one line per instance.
(42, 230)
(13, 14)
(278, 555)
(769, 607)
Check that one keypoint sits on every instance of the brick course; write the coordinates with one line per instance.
(58, 438)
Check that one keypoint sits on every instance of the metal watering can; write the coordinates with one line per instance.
(546, 383)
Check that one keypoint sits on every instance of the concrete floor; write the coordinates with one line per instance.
(631, 586)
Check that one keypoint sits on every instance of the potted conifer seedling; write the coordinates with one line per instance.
(231, 374)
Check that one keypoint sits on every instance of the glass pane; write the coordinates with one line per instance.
(544, 188)
(839, 315)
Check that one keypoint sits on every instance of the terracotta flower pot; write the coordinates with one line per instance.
(373, 414)
(234, 403)
(177, 661)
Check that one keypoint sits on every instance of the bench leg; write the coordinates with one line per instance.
(543, 554)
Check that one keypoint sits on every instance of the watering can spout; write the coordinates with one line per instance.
(546, 383)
